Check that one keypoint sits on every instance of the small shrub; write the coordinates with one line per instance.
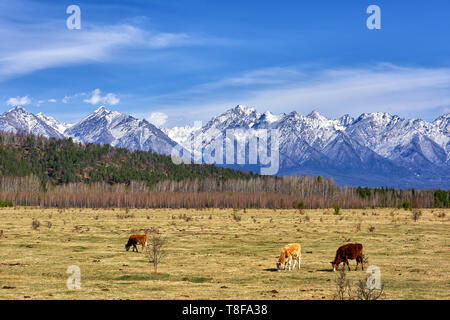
(7, 203)
(337, 209)
(358, 227)
(236, 217)
(155, 251)
(124, 216)
(371, 228)
(343, 289)
(363, 292)
(346, 290)
(185, 217)
(406, 205)
(35, 224)
(1, 233)
(416, 214)
(49, 224)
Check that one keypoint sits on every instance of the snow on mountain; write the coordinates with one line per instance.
(375, 149)
(120, 130)
(20, 120)
(443, 122)
(55, 124)
(375, 144)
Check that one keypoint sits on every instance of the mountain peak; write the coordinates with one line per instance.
(18, 109)
(244, 109)
(346, 120)
(102, 109)
(316, 115)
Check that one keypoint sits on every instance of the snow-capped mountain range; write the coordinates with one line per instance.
(101, 126)
(375, 149)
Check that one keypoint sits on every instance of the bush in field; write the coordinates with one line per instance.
(4, 204)
(155, 251)
(416, 214)
(346, 290)
(35, 224)
(406, 205)
(337, 209)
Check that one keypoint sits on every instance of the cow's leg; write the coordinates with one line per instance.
(134, 247)
(295, 263)
(357, 262)
(299, 260)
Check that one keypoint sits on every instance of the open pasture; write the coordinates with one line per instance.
(218, 254)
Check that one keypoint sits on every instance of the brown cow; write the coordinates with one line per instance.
(349, 251)
(135, 239)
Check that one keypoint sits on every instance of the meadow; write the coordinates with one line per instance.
(218, 254)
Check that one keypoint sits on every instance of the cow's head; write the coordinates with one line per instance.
(335, 265)
(127, 247)
(281, 263)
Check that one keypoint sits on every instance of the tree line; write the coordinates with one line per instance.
(62, 173)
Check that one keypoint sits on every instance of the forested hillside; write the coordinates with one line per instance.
(60, 172)
(61, 161)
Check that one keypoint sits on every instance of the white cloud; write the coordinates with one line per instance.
(18, 101)
(406, 91)
(52, 100)
(96, 98)
(26, 48)
(157, 118)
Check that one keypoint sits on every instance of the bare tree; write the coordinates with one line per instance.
(343, 289)
(346, 290)
(155, 251)
(364, 292)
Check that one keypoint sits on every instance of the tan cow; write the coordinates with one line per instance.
(289, 253)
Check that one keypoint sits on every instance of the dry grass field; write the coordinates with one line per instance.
(211, 255)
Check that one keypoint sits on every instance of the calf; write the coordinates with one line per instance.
(289, 253)
(349, 251)
(135, 239)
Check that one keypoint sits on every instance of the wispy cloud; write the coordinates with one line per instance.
(28, 47)
(96, 98)
(18, 101)
(406, 91)
(157, 118)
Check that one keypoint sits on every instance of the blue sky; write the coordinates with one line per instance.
(176, 62)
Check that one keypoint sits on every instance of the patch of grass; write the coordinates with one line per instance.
(143, 277)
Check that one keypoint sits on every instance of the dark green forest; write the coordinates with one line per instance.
(64, 161)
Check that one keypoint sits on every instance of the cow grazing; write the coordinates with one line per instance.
(349, 251)
(289, 253)
(135, 239)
